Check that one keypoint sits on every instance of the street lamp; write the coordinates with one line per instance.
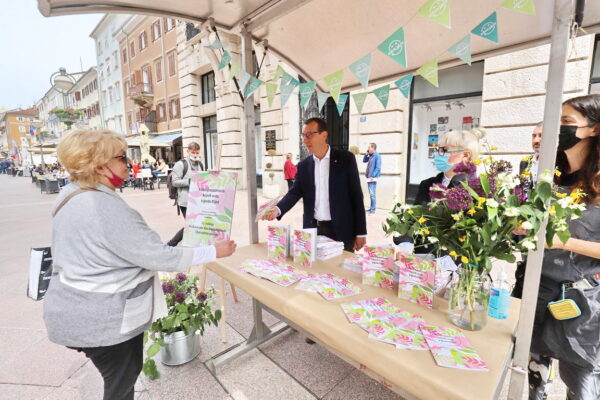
(61, 81)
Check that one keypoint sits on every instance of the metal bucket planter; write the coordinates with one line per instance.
(179, 348)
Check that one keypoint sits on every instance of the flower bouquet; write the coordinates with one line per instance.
(189, 311)
(476, 221)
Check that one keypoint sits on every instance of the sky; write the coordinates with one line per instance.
(32, 47)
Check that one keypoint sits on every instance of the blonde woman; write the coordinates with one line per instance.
(100, 300)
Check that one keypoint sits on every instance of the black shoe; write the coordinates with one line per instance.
(309, 341)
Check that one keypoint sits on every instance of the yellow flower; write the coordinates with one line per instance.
(479, 207)
(494, 148)
(425, 231)
(410, 212)
(561, 195)
(453, 254)
(462, 239)
(576, 195)
(471, 212)
(552, 210)
(477, 161)
(481, 200)
(456, 216)
(422, 220)
(488, 160)
(464, 259)
(557, 172)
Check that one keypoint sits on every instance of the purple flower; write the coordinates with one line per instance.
(179, 297)
(181, 277)
(437, 191)
(202, 297)
(467, 168)
(520, 193)
(168, 287)
(475, 184)
(458, 198)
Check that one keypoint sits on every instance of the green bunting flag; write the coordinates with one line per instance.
(488, 28)
(462, 49)
(362, 69)
(383, 95)
(334, 84)
(306, 91)
(395, 47)
(285, 92)
(252, 86)
(244, 79)
(359, 101)
(271, 91)
(429, 72)
(341, 103)
(522, 6)
(225, 60)
(233, 70)
(288, 79)
(437, 10)
(404, 84)
(215, 45)
(322, 99)
(278, 72)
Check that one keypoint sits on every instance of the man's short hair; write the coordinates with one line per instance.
(373, 145)
(194, 146)
(321, 124)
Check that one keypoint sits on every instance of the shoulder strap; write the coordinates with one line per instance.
(67, 198)
(185, 168)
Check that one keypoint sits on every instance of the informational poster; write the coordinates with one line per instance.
(210, 208)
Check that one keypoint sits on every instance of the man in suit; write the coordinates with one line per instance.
(329, 183)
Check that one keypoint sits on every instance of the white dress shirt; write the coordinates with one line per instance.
(322, 210)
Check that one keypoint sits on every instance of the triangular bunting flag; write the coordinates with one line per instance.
(359, 101)
(215, 45)
(437, 10)
(462, 49)
(225, 60)
(488, 28)
(383, 95)
(288, 79)
(252, 86)
(278, 72)
(429, 72)
(306, 91)
(322, 99)
(395, 47)
(285, 92)
(404, 84)
(334, 84)
(244, 79)
(233, 70)
(362, 69)
(271, 90)
(522, 6)
(341, 103)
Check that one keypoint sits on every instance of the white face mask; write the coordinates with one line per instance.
(194, 159)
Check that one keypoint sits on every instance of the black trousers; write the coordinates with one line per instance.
(179, 235)
(119, 365)
(290, 183)
(324, 229)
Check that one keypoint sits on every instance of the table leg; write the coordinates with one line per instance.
(233, 292)
(223, 314)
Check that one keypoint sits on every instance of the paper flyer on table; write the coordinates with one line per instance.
(378, 266)
(211, 199)
(278, 242)
(416, 280)
(305, 246)
(279, 273)
(402, 330)
(451, 349)
(364, 310)
(339, 288)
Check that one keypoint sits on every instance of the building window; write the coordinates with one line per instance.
(129, 121)
(208, 87)
(124, 55)
(146, 74)
(161, 111)
(117, 91)
(174, 108)
(209, 126)
(110, 95)
(108, 68)
(132, 49)
(95, 84)
(156, 30)
(21, 128)
(126, 87)
(171, 60)
(116, 59)
(143, 41)
(169, 24)
(104, 97)
(158, 69)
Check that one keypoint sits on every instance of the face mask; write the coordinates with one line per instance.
(567, 138)
(194, 159)
(441, 162)
(114, 180)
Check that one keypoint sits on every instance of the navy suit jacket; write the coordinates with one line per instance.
(345, 195)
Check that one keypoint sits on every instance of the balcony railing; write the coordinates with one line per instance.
(142, 94)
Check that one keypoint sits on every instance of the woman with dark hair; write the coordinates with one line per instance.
(571, 270)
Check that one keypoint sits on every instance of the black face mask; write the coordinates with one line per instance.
(567, 138)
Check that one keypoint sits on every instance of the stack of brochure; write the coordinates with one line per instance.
(354, 263)
(328, 248)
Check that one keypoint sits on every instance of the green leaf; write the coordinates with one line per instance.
(150, 370)
(526, 209)
(564, 235)
(153, 349)
(218, 314)
(485, 183)
(509, 257)
(544, 190)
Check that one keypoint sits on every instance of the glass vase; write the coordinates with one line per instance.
(469, 298)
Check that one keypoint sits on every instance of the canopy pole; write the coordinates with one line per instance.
(563, 11)
(250, 149)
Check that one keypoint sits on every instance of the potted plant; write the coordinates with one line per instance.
(68, 115)
(176, 337)
(474, 223)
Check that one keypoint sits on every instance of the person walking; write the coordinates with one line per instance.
(182, 174)
(289, 170)
(103, 287)
(373, 172)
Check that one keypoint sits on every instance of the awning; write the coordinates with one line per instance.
(168, 138)
(134, 141)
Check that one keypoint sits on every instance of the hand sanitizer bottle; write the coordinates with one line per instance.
(499, 297)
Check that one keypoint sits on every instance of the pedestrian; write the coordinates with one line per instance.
(373, 172)
(182, 173)
(289, 170)
(100, 298)
(571, 270)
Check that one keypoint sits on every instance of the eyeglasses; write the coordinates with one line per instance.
(444, 150)
(122, 157)
(308, 135)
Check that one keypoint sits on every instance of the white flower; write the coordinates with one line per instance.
(565, 202)
(433, 239)
(494, 237)
(491, 203)
(528, 244)
(546, 176)
(511, 212)
(506, 180)
(527, 225)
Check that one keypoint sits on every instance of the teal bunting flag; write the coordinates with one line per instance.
(252, 86)
(285, 92)
(341, 103)
(395, 47)
(488, 28)
(462, 49)
(288, 79)
(362, 70)
(404, 84)
(322, 99)
(359, 101)
(244, 79)
(306, 91)
(215, 45)
(383, 95)
(225, 60)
